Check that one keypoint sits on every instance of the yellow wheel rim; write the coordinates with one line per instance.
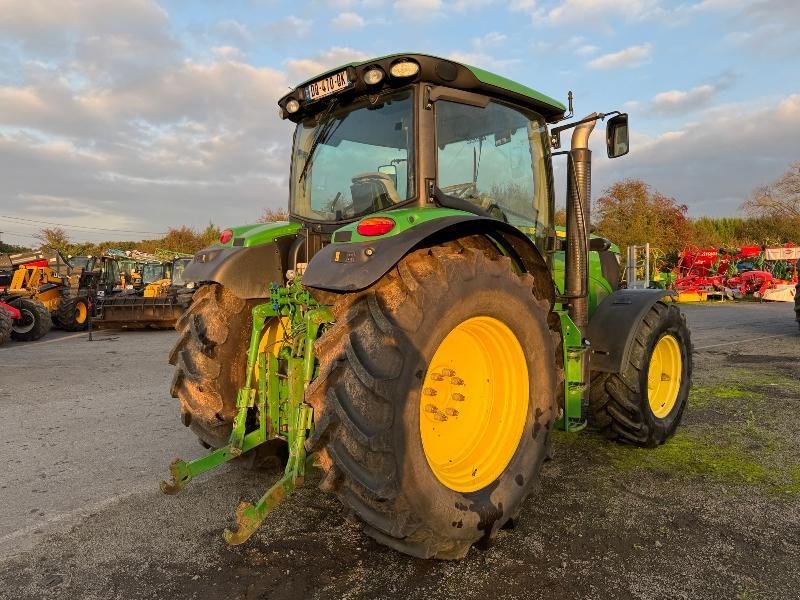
(80, 313)
(271, 339)
(473, 404)
(664, 376)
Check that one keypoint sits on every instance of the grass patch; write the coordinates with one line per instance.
(690, 455)
(745, 455)
(764, 377)
(708, 396)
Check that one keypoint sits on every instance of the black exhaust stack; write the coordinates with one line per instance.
(579, 193)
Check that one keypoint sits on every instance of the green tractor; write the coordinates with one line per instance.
(419, 327)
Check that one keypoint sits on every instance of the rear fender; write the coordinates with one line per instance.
(612, 327)
(246, 271)
(354, 266)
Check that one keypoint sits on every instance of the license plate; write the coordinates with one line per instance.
(325, 87)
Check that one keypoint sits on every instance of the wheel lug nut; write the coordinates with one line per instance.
(451, 411)
(456, 381)
(439, 416)
(458, 397)
(430, 408)
(448, 372)
(437, 377)
(429, 391)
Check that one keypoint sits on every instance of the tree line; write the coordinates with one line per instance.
(629, 212)
(177, 239)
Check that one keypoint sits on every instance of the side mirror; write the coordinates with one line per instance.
(617, 136)
(389, 170)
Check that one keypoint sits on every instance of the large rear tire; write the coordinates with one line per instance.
(210, 359)
(73, 314)
(643, 405)
(371, 400)
(34, 323)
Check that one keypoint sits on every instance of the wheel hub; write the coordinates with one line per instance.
(80, 313)
(25, 323)
(664, 376)
(473, 404)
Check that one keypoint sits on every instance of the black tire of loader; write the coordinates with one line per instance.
(67, 314)
(210, 359)
(366, 398)
(618, 403)
(6, 322)
(42, 321)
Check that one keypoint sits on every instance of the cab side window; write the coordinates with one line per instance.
(494, 157)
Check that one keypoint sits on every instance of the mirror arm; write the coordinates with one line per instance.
(555, 132)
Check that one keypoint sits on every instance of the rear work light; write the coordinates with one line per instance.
(404, 68)
(375, 226)
(226, 236)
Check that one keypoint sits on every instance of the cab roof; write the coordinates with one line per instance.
(443, 71)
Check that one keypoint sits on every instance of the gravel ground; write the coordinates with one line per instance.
(712, 514)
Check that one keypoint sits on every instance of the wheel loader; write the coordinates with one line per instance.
(418, 328)
(136, 293)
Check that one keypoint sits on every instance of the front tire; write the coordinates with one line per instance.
(34, 323)
(370, 401)
(643, 405)
(73, 314)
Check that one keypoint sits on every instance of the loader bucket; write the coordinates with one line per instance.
(137, 312)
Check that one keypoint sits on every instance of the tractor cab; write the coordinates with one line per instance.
(418, 131)
(152, 272)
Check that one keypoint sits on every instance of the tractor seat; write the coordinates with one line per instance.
(373, 192)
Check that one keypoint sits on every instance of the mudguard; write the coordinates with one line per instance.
(246, 271)
(353, 266)
(613, 326)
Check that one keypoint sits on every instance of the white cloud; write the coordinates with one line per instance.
(288, 28)
(490, 40)
(300, 69)
(587, 50)
(485, 61)
(769, 28)
(465, 5)
(581, 10)
(764, 142)
(633, 56)
(480, 54)
(681, 101)
(44, 26)
(418, 9)
(348, 20)
(234, 31)
(565, 12)
(129, 133)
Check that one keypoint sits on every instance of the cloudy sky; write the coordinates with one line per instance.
(136, 115)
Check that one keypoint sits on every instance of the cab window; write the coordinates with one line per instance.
(495, 158)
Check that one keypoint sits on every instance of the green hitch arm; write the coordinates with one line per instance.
(183, 472)
(250, 516)
(246, 396)
(314, 320)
